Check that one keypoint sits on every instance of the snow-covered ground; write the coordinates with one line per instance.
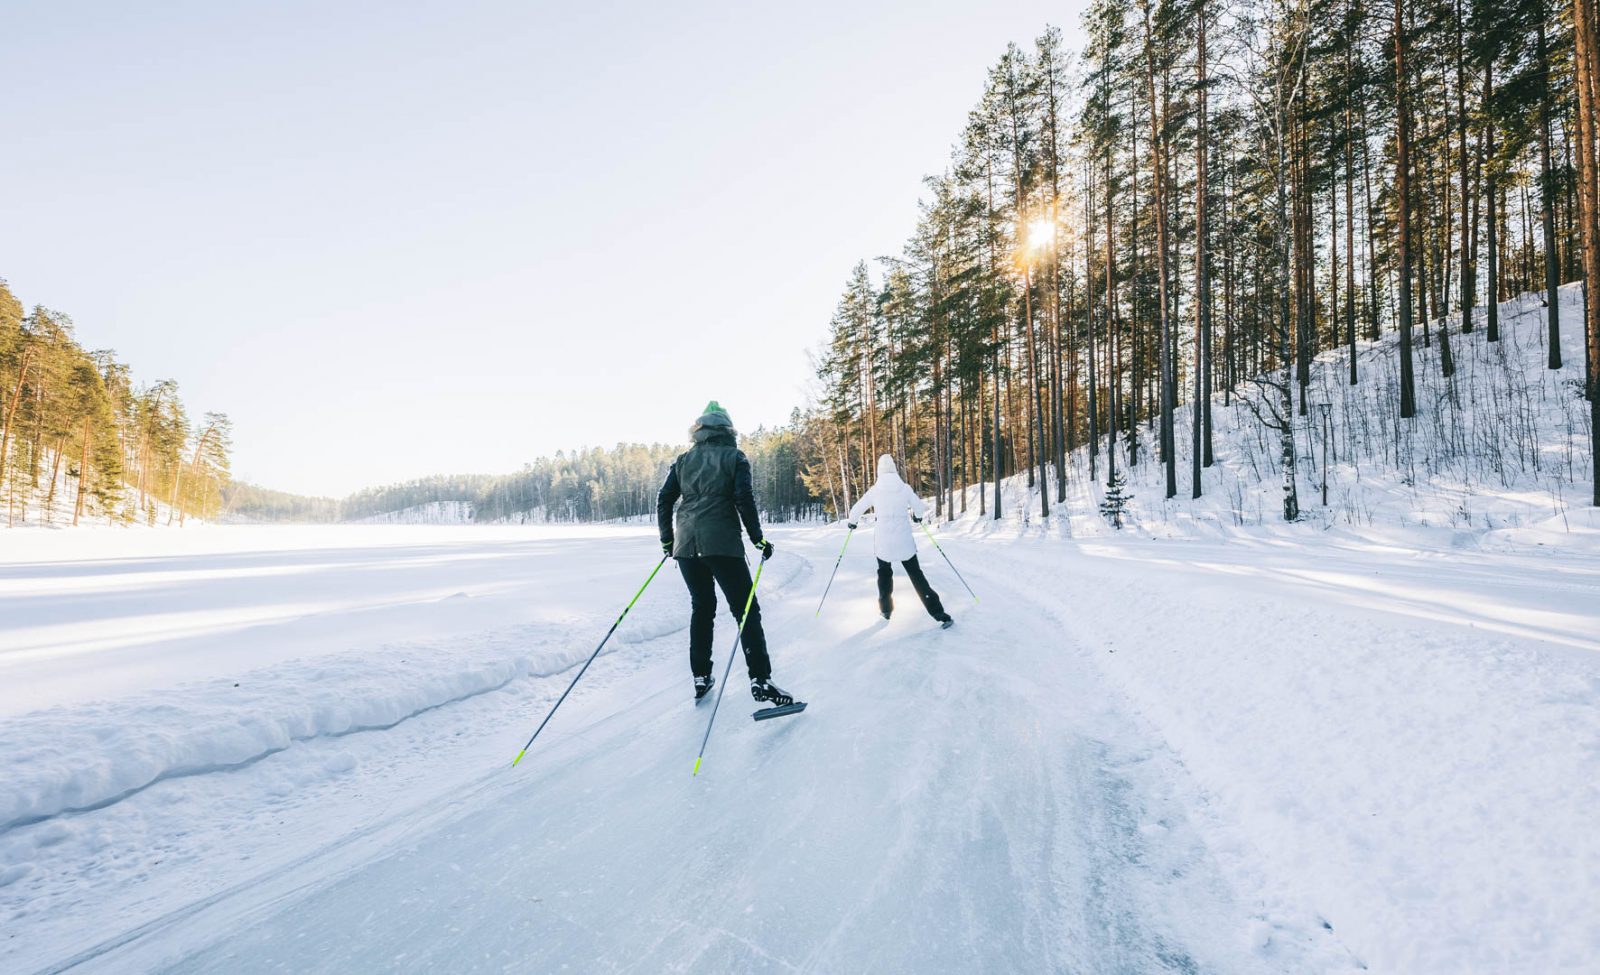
(1288, 750)
(1499, 454)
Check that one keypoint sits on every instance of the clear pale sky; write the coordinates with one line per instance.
(394, 239)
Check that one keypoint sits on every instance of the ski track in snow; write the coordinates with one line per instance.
(1133, 756)
(1046, 838)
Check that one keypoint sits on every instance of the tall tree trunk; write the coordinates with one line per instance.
(1291, 498)
(994, 334)
(1116, 382)
(977, 432)
(1547, 196)
(1300, 234)
(1113, 327)
(1035, 402)
(83, 475)
(1402, 188)
(177, 483)
(1586, 59)
(24, 363)
(1374, 329)
(1158, 141)
(1469, 268)
(55, 474)
(1419, 237)
(1201, 408)
(1349, 217)
(1230, 375)
(1140, 360)
(1058, 450)
(1492, 190)
(1094, 403)
(1447, 362)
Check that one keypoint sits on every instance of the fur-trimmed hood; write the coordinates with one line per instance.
(892, 540)
(714, 423)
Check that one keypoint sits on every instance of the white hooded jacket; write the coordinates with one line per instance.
(892, 539)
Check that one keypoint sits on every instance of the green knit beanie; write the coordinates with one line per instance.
(714, 416)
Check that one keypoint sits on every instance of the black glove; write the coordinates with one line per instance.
(917, 519)
(850, 525)
(666, 546)
(766, 549)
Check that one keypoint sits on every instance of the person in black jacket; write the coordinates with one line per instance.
(712, 481)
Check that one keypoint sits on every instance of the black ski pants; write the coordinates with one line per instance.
(704, 575)
(930, 599)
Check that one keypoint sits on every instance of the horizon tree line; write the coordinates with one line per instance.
(587, 485)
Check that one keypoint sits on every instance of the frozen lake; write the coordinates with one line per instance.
(287, 749)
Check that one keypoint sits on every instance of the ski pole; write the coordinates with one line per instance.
(835, 572)
(728, 671)
(951, 564)
(586, 663)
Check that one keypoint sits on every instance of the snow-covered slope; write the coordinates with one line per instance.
(24, 506)
(432, 513)
(1500, 454)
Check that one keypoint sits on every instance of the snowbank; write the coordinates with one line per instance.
(91, 755)
(95, 752)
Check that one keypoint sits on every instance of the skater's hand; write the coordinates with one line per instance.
(917, 519)
(666, 546)
(766, 549)
(851, 525)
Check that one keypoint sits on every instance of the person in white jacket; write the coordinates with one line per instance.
(892, 540)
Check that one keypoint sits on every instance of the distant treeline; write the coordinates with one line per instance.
(249, 502)
(589, 485)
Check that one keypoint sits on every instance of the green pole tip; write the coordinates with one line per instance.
(696, 767)
(514, 761)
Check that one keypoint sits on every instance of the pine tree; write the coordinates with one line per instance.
(1116, 499)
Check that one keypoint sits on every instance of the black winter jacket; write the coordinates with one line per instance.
(712, 479)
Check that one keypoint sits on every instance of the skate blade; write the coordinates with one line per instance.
(779, 712)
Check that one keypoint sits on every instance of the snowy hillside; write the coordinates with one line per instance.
(432, 513)
(1500, 453)
(24, 506)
